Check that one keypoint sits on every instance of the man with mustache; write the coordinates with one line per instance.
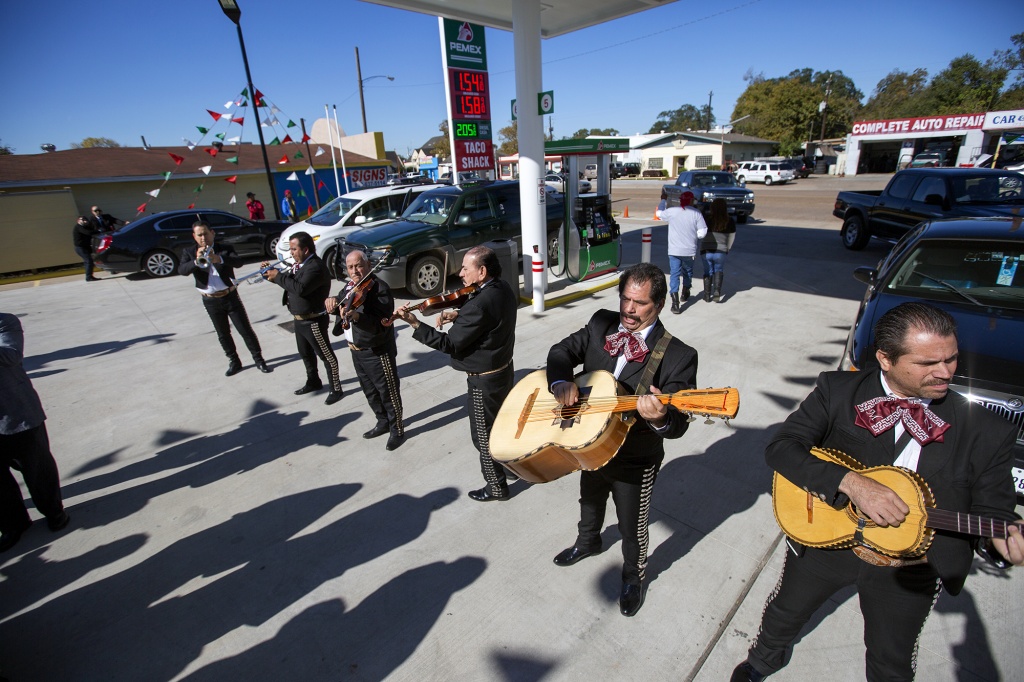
(628, 344)
(905, 415)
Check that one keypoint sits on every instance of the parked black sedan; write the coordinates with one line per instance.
(153, 243)
(973, 268)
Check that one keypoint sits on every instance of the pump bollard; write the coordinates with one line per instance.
(645, 245)
(538, 280)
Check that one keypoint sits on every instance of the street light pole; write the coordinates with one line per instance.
(359, 75)
(824, 108)
(723, 135)
(234, 13)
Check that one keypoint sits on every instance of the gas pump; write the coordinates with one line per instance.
(589, 241)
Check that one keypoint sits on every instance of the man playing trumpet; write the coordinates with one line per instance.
(213, 267)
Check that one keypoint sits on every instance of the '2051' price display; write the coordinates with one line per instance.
(469, 94)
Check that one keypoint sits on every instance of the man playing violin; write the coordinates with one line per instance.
(365, 303)
(480, 344)
(627, 344)
(901, 413)
(212, 265)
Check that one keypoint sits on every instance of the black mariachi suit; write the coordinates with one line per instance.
(968, 472)
(306, 287)
(223, 308)
(373, 354)
(481, 342)
(630, 475)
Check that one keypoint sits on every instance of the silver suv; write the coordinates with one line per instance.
(767, 172)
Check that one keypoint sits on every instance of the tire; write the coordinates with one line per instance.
(425, 278)
(160, 263)
(271, 246)
(553, 248)
(767, 179)
(855, 236)
(741, 178)
(741, 218)
(328, 260)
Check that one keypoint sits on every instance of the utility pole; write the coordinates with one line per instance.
(551, 128)
(824, 107)
(710, 95)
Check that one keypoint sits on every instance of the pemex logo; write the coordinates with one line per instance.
(465, 33)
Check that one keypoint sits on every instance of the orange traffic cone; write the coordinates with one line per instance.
(625, 214)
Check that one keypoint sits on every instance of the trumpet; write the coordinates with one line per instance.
(203, 257)
(257, 276)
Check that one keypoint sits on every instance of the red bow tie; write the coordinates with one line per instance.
(881, 414)
(632, 345)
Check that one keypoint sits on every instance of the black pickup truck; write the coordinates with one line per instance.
(918, 194)
(708, 186)
(440, 226)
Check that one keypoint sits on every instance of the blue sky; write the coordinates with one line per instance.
(122, 69)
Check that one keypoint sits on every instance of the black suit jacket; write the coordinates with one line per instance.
(306, 290)
(368, 331)
(968, 472)
(677, 372)
(226, 269)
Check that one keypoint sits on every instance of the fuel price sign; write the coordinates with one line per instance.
(470, 94)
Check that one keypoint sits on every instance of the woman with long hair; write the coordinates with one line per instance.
(714, 247)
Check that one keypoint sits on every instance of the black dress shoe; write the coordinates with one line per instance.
(485, 495)
(745, 672)
(308, 388)
(234, 367)
(262, 366)
(378, 430)
(631, 599)
(333, 397)
(59, 522)
(395, 441)
(568, 557)
(8, 540)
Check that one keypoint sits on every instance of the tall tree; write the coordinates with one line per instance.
(443, 149)
(509, 136)
(900, 94)
(966, 86)
(91, 142)
(686, 117)
(1013, 59)
(5, 150)
(584, 132)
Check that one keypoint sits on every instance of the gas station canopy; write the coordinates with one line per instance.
(557, 17)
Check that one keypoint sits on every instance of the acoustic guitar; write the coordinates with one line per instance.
(808, 520)
(540, 440)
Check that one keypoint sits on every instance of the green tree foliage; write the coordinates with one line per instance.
(966, 86)
(509, 136)
(584, 132)
(443, 149)
(686, 117)
(900, 94)
(90, 142)
(5, 150)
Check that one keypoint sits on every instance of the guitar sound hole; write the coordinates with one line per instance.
(569, 412)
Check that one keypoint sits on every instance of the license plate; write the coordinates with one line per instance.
(1018, 481)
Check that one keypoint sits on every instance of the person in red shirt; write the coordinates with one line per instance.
(255, 207)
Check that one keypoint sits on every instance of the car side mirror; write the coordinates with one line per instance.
(464, 219)
(866, 275)
(934, 200)
(359, 220)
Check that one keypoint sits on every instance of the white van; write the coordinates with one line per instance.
(764, 171)
(348, 213)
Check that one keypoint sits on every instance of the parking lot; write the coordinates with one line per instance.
(224, 528)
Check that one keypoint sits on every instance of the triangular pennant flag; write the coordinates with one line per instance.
(233, 201)
(284, 160)
(236, 138)
(287, 139)
(167, 175)
(298, 155)
(305, 138)
(294, 176)
(154, 193)
(310, 171)
(197, 190)
(275, 110)
(319, 151)
(309, 211)
(228, 105)
(205, 169)
(202, 129)
(319, 185)
(219, 136)
(188, 143)
(192, 205)
(238, 120)
(302, 192)
(240, 102)
(178, 159)
(274, 141)
(140, 209)
(291, 124)
(274, 121)
(261, 103)
(216, 116)
(233, 179)
(233, 159)
(245, 92)
(265, 123)
(257, 94)
(212, 151)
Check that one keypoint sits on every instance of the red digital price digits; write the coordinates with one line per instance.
(469, 94)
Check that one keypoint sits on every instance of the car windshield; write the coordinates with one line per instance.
(431, 207)
(989, 189)
(715, 180)
(981, 272)
(332, 213)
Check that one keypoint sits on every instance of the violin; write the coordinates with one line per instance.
(353, 299)
(449, 299)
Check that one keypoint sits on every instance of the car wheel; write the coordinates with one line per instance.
(855, 236)
(767, 179)
(425, 278)
(160, 264)
(271, 245)
(741, 218)
(741, 178)
(553, 248)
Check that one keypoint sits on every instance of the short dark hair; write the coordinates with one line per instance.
(486, 257)
(200, 223)
(249, 194)
(641, 273)
(894, 326)
(304, 240)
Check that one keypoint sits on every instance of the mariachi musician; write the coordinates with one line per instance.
(480, 342)
(626, 344)
(364, 305)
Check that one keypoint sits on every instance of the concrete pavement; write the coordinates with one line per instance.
(223, 528)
